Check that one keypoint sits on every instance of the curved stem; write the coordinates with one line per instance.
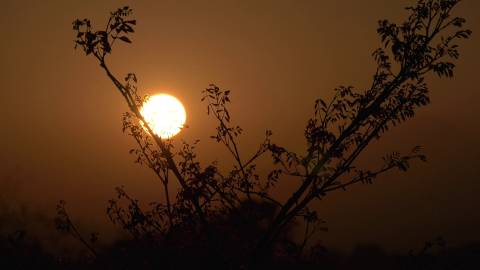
(163, 148)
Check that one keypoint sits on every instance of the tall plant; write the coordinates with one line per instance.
(338, 132)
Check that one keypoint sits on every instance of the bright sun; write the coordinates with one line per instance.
(164, 114)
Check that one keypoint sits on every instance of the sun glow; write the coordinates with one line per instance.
(164, 114)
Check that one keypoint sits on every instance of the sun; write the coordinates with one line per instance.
(164, 114)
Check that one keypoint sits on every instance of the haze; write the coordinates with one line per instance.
(61, 127)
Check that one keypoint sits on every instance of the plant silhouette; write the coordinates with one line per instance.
(232, 220)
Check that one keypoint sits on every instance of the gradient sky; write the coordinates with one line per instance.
(61, 117)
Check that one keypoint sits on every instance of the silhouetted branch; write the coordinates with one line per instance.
(336, 135)
(64, 224)
(100, 44)
(391, 99)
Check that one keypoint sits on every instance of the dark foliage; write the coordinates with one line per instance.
(20, 251)
(231, 220)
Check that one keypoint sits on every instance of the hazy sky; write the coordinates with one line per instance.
(61, 117)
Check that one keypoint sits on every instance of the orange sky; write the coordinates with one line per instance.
(61, 134)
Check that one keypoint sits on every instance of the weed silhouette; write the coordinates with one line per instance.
(232, 220)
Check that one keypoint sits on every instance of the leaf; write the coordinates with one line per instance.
(127, 28)
(126, 39)
(323, 103)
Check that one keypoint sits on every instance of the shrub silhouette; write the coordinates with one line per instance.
(232, 220)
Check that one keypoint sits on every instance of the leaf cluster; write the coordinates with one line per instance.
(212, 203)
(99, 43)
